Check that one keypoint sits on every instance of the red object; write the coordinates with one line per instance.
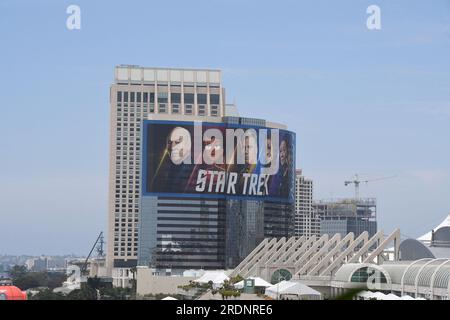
(12, 293)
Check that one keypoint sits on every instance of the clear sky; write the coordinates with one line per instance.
(375, 103)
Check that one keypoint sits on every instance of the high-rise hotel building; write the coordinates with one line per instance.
(137, 93)
(173, 231)
(306, 221)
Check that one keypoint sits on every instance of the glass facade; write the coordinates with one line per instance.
(362, 275)
(245, 229)
(332, 225)
(280, 275)
(207, 234)
(177, 232)
(189, 233)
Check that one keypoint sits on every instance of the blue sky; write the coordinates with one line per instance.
(375, 103)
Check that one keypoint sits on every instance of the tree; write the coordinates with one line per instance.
(48, 294)
(31, 280)
(17, 272)
(133, 271)
(93, 283)
(117, 294)
(86, 293)
(55, 279)
(236, 279)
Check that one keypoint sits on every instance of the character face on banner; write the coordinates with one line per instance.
(179, 145)
(218, 160)
(251, 149)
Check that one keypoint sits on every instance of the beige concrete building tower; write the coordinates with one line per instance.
(137, 94)
(306, 222)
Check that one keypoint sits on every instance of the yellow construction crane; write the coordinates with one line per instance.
(356, 181)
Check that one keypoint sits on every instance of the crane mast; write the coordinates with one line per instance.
(356, 181)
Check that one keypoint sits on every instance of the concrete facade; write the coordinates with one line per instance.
(147, 283)
(306, 222)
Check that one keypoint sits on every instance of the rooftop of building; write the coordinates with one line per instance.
(226, 119)
(126, 74)
(346, 201)
(133, 66)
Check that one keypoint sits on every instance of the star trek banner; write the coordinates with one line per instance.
(218, 160)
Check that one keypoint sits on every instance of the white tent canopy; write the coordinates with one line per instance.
(379, 295)
(298, 289)
(427, 236)
(169, 298)
(391, 296)
(217, 278)
(259, 282)
(367, 295)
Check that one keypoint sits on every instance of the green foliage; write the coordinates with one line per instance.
(229, 293)
(17, 272)
(196, 285)
(133, 271)
(93, 282)
(26, 280)
(31, 280)
(93, 289)
(349, 294)
(47, 294)
(86, 293)
(236, 279)
(186, 287)
(227, 285)
(160, 296)
(55, 279)
(117, 294)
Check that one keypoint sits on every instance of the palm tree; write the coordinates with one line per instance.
(133, 271)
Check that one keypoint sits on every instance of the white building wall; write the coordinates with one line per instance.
(306, 222)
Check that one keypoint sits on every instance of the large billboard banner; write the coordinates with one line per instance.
(202, 159)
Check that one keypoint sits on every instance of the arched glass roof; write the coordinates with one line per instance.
(432, 273)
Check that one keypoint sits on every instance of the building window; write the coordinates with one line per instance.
(214, 99)
(131, 96)
(201, 110)
(162, 97)
(362, 275)
(145, 97)
(201, 98)
(175, 97)
(188, 109)
(138, 97)
(125, 97)
(175, 108)
(189, 98)
(162, 108)
(214, 111)
(119, 95)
